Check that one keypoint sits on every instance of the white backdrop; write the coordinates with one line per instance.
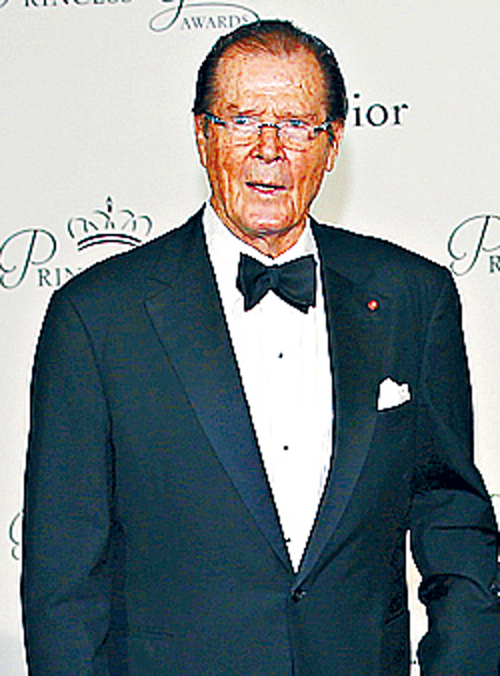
(97, 153)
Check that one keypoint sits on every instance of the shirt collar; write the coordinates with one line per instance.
(225, 249)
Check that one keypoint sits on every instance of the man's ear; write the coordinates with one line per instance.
(337, 133)
(201, 131)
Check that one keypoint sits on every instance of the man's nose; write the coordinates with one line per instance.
(269, 146)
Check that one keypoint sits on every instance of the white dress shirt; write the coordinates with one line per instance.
(283, 359)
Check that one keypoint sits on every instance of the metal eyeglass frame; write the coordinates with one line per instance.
(312, 131)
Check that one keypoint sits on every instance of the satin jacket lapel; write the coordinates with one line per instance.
(188, 318)
(358, 336)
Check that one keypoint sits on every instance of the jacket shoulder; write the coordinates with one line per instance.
(360, 257)
(125, 276)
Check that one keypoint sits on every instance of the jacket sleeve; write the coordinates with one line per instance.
(453, 530)
(67, 516)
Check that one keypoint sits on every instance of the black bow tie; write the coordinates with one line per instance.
(294, 282)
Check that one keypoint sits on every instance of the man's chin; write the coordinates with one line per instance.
(268, 226)
(266, 220)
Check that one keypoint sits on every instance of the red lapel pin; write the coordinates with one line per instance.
(372, 305)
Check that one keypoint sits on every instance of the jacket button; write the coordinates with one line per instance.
(495, 588)
(298, 595)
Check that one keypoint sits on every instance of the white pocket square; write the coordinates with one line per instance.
(392, 394)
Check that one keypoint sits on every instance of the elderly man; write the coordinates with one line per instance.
(235, 426)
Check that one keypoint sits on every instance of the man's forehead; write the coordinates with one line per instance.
(237, 59)
(245, 74)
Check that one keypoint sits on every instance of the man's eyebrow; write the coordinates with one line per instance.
(237, 110)
(307, 117)
(233, 109)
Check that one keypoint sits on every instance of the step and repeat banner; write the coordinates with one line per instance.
(97, 155)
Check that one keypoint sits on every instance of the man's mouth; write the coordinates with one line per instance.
(265, 187)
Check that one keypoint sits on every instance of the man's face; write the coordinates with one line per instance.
(263, 190)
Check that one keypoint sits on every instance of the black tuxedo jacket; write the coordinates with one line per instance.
(152, 544)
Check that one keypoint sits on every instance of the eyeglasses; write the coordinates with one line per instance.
(293, 134)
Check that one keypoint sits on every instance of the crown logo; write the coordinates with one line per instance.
(109, 226)
(15, 536)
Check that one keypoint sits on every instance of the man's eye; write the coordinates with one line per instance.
(297, 124)
(242, 121)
